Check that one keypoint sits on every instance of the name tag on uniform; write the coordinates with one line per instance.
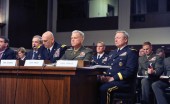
(8, 62)
(67, 63)
(34, 63)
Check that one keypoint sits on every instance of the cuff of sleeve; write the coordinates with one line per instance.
(118, 76)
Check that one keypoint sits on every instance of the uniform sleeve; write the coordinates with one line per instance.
(158, 67)
(88, 55)
(139, 68)
(130, 69)
(64, 56)
(62, 51)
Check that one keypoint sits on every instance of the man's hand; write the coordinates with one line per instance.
(151, 70)
(110, 79)
(106, 78)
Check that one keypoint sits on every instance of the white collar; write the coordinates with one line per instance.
(50, 48)
(23, 58)
(100, 54)
(121, 47)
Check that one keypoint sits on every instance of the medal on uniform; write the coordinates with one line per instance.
(120, 64)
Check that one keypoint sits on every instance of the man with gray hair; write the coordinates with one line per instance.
(100, 57)
(77, 51)
(122, 74)
(36, 48)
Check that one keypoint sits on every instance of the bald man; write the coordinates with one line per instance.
(52, 50)
(77, 51)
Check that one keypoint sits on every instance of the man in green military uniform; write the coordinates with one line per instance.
(77, 51)
(150, 65)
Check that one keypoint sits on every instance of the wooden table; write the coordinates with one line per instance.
(48, 85)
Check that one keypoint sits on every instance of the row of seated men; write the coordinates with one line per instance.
(123, 62)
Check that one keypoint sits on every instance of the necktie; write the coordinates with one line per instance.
(33, 55)
(48, 53)
(1, 54)
(98, 57)
(118, 50)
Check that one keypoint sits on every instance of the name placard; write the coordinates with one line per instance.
(34, 63)
(67, 63)
(8, 62)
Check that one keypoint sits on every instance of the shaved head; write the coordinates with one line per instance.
(48, 34)
(48, 39)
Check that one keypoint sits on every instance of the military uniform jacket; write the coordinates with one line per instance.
(167, 66)
(9, 54)
(153, 60)
(101, 61)
(82, 54)
(29, 55)
(56, 53)
(123, 64)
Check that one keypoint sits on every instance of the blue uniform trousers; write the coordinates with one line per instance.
(107, 89)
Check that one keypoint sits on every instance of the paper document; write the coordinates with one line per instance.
(97, 66)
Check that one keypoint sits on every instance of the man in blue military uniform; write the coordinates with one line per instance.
(35, 53)
(100, 57)
(124, 63)
(51, 50)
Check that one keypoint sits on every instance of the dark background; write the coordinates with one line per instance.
(26, 19)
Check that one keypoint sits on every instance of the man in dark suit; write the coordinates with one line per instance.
(100, 57)
(124, 63)
(160, 85)
(77, 51)
(5, 51)
(150, 65)
(51, 50)
(35, 53)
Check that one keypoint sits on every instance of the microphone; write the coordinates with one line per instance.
(34, 47)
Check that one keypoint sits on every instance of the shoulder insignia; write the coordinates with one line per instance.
(89, 49)
(63, 45)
